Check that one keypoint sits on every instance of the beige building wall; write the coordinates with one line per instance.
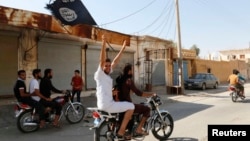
(27, 52)
(221, 69)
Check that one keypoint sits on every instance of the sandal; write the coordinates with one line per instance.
(123, 137)
(127, 136)
(119, 137)
(143, 133)
(243, 97)
(42, 124)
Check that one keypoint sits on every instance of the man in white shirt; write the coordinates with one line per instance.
(34, 88)
(22, 95)
(104, 89)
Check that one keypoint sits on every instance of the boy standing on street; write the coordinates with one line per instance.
(77, 84)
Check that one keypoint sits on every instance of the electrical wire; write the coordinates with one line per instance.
(159, 24)
(120, 19)
(169, 17)
(154, 21)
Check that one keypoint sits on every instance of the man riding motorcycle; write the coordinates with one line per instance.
(233, 80)
(125, 85)
(241, 81)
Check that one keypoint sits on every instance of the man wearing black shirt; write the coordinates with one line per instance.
(46, 87)
(23, 96)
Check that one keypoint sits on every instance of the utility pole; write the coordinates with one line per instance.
(179, 54)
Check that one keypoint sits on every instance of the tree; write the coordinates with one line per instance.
(194, 47)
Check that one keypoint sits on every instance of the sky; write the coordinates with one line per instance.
(211, 25)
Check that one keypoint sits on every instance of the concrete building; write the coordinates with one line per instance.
(31, 40)
(236, 54)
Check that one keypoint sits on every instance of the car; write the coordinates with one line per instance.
(202, 81)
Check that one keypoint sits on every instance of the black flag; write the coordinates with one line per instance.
(71, 12)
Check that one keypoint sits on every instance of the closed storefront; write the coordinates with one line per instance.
(63, 57)
(92, 62)
(158, 74)
(8, 62)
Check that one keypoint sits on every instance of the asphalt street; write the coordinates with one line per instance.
(7, 117)
(8, 120)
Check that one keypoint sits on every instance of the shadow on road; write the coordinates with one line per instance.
(220, 89)
(181, 110)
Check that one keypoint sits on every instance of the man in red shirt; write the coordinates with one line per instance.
(77, 84)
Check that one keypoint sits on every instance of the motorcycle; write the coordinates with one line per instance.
(235, 93)
(106, 125)
(28, 119)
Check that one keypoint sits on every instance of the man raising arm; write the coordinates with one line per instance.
(104, 84)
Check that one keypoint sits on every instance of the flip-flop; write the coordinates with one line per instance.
(120, 137)
(127, 136)
(41, 126)
(124, 137)
(143, 133)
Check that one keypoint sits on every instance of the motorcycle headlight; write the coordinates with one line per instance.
(157, 100)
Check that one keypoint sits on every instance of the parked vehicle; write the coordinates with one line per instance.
(160, 123)
(202, 81)
(235, 93)
(28, 119)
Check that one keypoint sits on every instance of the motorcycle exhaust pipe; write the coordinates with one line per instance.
(30, 124)
(92, 128)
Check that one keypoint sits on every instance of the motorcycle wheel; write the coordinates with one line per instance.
(26, 122)
(163, 129)
(76, 114)
(104, 132)
(234, 96)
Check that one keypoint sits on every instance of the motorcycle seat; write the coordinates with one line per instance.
(23, 105)
(101, 111)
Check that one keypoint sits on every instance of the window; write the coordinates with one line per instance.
(158, 54)
(233, 56)
(242, 56)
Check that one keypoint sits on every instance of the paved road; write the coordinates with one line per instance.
(7, 104)
(182, 107)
